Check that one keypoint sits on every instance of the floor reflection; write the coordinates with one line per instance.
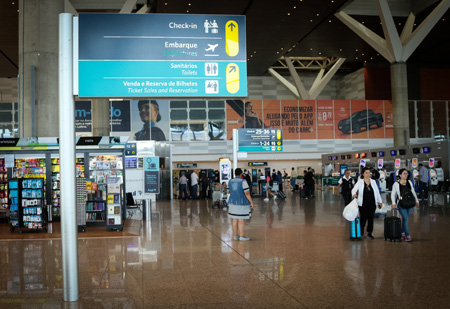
(299, 255)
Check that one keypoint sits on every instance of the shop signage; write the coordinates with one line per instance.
(257, 163)
(83, 116)
(397, 163)
(415, 163)
(260, 140)
(130, 149)
(362, 163)
(131, 162)
(162, 55)
(151, 175)
(186, 165)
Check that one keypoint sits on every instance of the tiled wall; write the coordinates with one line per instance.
(8, 90)
(351, 86)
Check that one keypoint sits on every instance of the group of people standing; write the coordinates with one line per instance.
(367, 193)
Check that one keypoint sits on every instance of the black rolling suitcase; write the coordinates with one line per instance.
(392, 228)
(281, 195)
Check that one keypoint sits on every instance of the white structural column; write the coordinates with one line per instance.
(69, 237)
(298, 89)
(397, 49)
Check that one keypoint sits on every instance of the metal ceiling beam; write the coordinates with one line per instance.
(285, 83)
(394, 48)
(412, 41)
(373, 39)
(307, 63)
(128, 6)
(298, 89)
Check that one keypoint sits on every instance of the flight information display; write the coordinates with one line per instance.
(260, 140)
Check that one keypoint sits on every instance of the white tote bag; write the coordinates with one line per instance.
(351, 210)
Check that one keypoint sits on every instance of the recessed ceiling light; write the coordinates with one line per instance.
(332, 1)
(278, 52)
(356, 57)
(362, 54)
(443, 19)
(295, 7)
(356, 50)
(165, 3)
(310, 49)
(310, 20)
(289, 13)
(254, 52)
(320, 53)
(362, 22)
(251, 56)
(399, 24)
(317, 14)
(329, 21)
(189, 4)
(340, 49)
(187, 11)
(281, 48)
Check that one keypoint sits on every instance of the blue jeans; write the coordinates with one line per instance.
(423, 186)
(293, 183)
(183, 191)
(405, 218)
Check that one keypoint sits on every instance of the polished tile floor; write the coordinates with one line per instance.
(299, 256)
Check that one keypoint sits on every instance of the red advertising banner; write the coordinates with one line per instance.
(272, 115)
(235, 116)
(325, 119)
(253, 114)
(358, 119)
(342, 119)
(289, 120)
(307, 117)
(375, 117)
(388, 120)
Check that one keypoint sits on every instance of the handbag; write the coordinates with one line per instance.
(351, 210)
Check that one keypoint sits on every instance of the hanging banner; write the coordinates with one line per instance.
(397, 163)
(380, 164)
(415, 163)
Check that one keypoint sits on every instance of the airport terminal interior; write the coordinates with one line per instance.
(95, 211)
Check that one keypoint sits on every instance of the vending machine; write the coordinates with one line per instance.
(382, 179)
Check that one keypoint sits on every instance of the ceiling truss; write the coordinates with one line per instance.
(306, 63)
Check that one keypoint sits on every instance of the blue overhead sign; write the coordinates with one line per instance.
(162, 55)
(260, 140)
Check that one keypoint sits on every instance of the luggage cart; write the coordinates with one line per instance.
(81, 204)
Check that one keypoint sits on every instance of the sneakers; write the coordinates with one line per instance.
(235, 237)
(266, 199)
(408, 238)
(244, 238)
(370, 236)
(274, 197)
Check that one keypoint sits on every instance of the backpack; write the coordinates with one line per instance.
(407, 197)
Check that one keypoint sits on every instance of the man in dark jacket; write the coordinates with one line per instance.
(346, 183)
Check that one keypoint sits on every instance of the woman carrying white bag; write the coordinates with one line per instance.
(366, 190)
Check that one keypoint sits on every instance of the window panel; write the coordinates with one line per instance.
(177, 114)
(216, 114)
(216, 104)
(199, 114)
(197, 104)
(178, 104)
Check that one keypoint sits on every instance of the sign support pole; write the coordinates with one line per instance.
(235, 148)
(69, 237)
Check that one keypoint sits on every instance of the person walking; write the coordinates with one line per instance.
(293, 179)
(368, 198)
(194, 185)
(423, 182)
(399, 198)
(346, 183)
(183, 187)
(280, 181)
(240, 204)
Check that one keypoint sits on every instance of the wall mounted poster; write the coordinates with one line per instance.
(325, 119)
